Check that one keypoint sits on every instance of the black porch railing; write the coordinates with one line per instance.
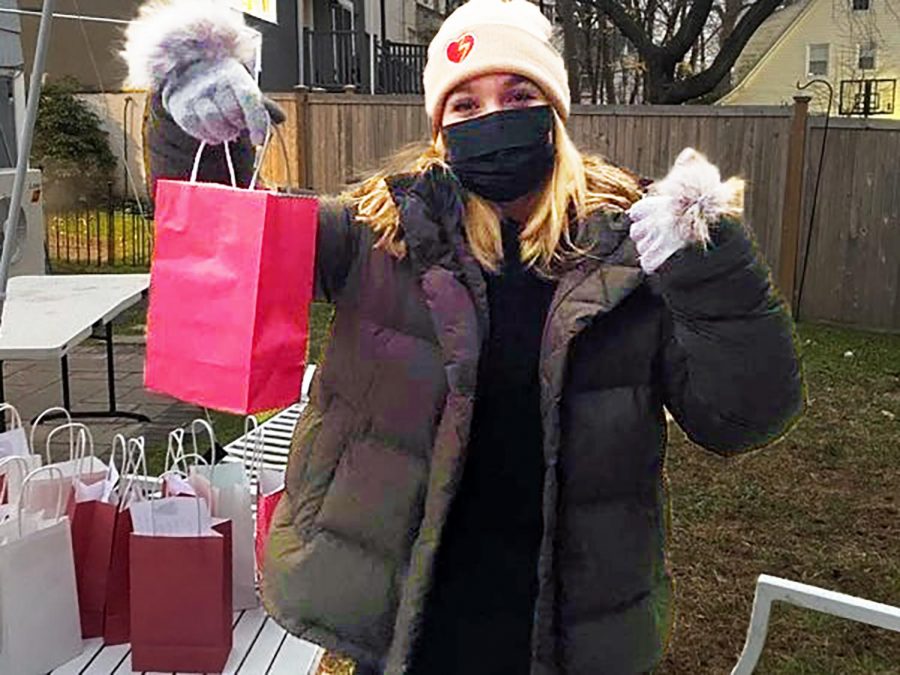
(400, 67)
(334, 60)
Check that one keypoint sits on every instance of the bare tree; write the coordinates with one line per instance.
(569, 24)
(664, 32)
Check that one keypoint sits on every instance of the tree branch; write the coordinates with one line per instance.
(629, 27)
(690, 28)
(566, 10)
(701, 83)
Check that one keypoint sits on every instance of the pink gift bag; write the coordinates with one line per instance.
(269, 488)
(230, 287)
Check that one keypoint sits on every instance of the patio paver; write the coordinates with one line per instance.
(34, 386)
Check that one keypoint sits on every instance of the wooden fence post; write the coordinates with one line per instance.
(302, 145)
(793, 201)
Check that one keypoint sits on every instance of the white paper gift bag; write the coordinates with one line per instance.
(39, 624)
(81, 464)
(12, 472)
(81, 461)
(14, 443)
(232, 500)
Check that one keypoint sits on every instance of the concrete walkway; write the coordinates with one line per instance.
(34, 386)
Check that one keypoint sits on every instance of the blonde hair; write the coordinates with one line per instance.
(579, 186)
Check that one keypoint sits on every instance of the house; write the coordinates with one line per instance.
(852, 44)
(374, 45)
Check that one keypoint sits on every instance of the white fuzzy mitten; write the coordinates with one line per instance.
(679, 210)
(198, 54)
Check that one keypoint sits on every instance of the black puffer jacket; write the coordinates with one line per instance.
(378, 455)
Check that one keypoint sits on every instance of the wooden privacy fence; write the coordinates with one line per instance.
(853, 271)
(853, 275)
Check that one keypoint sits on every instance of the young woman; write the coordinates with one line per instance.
(478, 484)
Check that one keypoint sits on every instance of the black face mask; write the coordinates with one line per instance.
(504, 155)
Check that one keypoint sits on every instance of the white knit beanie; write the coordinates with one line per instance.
(494, 36)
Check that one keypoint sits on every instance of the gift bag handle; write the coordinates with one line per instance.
(257, 164)
(119, 441)
(263, 150)
(174, 448)
(258, 160)
(258, 434)
(83, 435)
(136, 457)
(196, 168)
(15, 419)
(182, 461)
(198, 460)
(136, 461)
(12, 461)
(85, 438)
(209, 433)
(37, 422)
(60, 492)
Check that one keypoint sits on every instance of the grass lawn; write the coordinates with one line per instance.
(821, 507)
(89, 236)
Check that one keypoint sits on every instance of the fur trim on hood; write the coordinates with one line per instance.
(170, 34)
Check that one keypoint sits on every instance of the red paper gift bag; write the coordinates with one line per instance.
(93, 526)
(181, 610)
(230, 288)
(93, 511)
(117, 605)
(265, 512)
(117, 610)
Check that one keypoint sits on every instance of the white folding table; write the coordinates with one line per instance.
(45, 317)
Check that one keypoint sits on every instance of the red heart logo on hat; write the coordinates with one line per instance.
(459, 49)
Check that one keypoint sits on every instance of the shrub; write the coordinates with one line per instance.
(70, 147)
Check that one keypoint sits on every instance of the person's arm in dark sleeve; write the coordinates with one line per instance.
(729, 365)
(338, 240)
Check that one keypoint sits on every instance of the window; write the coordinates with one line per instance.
(817, 60)
(866, 56)
(860, 5)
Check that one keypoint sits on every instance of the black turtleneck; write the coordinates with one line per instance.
(478, 615)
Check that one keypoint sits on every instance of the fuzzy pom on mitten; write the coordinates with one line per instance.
(679, 210)
(198, 55)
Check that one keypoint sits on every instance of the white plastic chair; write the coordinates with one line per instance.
(773, 589)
